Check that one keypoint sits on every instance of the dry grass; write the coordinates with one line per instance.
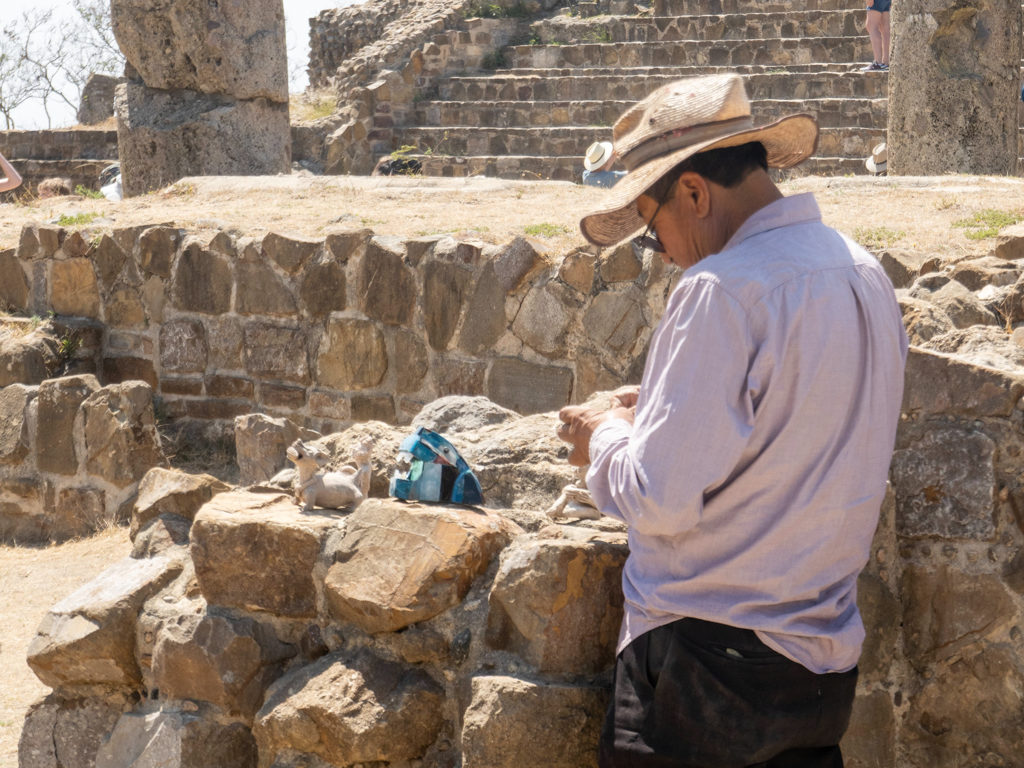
(922, 211)
(31, 581)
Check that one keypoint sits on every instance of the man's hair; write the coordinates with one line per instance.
(726, 166)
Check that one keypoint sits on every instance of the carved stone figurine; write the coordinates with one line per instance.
(330, 490)
(575, 501)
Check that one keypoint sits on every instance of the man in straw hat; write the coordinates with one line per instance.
(597, 165)
(751, 464)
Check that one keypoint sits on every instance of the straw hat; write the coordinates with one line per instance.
(597, 155)
(679, 120)
(879, 156)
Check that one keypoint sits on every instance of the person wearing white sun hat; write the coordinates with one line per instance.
(597, 165)
(751, 463)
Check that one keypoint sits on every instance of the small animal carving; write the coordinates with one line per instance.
(575, 501)
(345, 487)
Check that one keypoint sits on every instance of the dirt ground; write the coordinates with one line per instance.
(907, 212)
(920, 214)
(32, 579)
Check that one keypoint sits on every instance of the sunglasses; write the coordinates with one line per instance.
(649, 239)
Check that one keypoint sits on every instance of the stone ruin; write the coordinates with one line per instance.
(207, 90)
(955, 88)
(244, 629)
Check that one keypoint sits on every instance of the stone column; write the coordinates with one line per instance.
(207, 90)
(954, 87)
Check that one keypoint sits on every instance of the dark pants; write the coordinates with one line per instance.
(693, 694)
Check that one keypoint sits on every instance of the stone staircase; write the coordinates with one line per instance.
(534, 116)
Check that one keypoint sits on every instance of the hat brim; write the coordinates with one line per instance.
(873, 166)
(788, 141)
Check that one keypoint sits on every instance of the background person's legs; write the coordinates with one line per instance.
(874, 26)
(883, 29)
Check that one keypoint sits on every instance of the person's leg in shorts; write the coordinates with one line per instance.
(877, 24)
(693, 694)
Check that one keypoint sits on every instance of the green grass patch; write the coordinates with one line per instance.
(987, 223)
(76, 219)
(92, 194)
(483, 10)
(545, 230)
(874, 238)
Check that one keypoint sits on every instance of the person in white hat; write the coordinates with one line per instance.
(751, 464)
(597, 165)
(877, 161)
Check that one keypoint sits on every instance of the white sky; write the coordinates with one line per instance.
(297, 15)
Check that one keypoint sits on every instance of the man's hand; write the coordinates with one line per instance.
(626, 397)
(579, 423)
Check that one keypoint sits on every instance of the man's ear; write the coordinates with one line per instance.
(693, 188)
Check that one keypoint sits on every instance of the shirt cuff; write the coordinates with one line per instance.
(609, 433)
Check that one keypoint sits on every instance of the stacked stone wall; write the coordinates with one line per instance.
(71, 456)
(353, 327)
(74, 154)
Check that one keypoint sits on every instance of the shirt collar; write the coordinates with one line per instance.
(785, 211)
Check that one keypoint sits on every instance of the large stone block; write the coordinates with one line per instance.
(322, 290)
(73, 288)
(954, 87)
(411, 361)
(26, 359)
(14, 285)
(945, 485)
(968, 713)
(14, 433)
(260, 445)
(88, 638)
(262, 292)
(386, 287)
(543, 319)
(228, 662)
(59, 401)
(527, 387)
(614, 319)
(176, 739)
(511, 723)
(400, 564)
(485, 313)
(353, 355)
(121, 439)
(23, 518)
(940, 384)
(558, 602)
(183, 346)
(289, 253)
(257, 551)
(63, 731)
(230, 47)
(202, 281)
(276, 352)
(870, 741)
(97, 102)
(349, 711)
(171, 492)
(156, 249)
(444, 288)
(166, 135)
(947, 613)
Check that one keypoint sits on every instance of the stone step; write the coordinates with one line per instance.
(635, 84)
(696, 7)
(779, 51)
(620, 29)
(571, 141)
(569, 168)
(831, 113)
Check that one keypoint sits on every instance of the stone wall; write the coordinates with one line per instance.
(352, 327)
(71, 456)
(75, 154)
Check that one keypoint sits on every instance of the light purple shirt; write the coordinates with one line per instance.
(752, 477)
